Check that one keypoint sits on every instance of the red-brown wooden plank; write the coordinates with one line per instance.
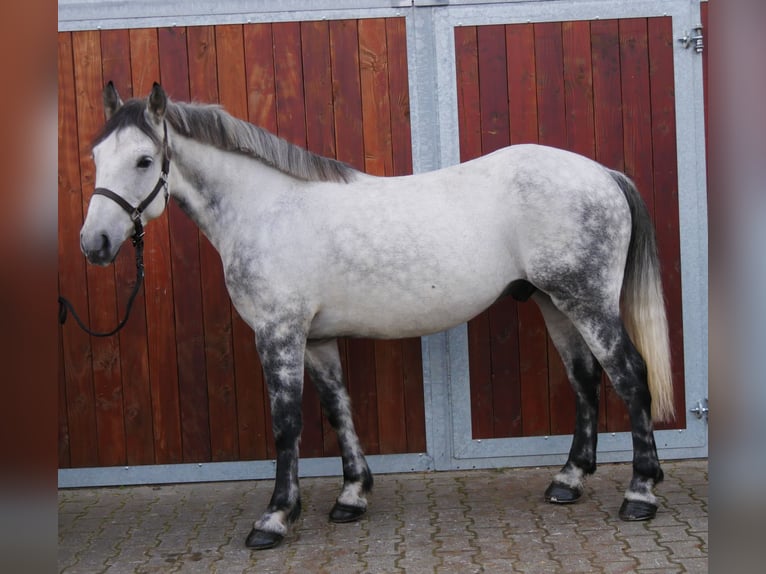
(320, 136)
(358, 355)
(347, 92)
(549, 66)
(184, 241)
(391, 408)
(661, 76)
(551, 106)
(376, 105)
(636, 111)
(317, 80)
(533, 341)
(291, 122)
(522, 83)
(288, 74)
(401, 143)
(206, 65)
(101, 286)
(64, 460)
(506, 388)
(469, 121)
(636, 106)
(607, 108)
(81, 415)
(493, 88)
(253, 412)
(158, 285)
(578, 87)
(116, 65)
(469, 108)
(376, 111)
(505, 415)
(412, 371)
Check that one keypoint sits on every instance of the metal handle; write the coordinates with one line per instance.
(701, 410)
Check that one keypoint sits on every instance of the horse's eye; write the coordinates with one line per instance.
(144, 162)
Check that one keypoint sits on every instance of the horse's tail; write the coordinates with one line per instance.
(643, 305)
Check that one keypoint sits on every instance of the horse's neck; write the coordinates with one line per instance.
(216, 189)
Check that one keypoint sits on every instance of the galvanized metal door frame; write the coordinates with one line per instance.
(445, 356)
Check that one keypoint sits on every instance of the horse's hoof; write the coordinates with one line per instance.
(341, 513)
(558, 493)
(635, 510)
(263, 540)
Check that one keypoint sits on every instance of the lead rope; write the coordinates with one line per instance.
(65, 304)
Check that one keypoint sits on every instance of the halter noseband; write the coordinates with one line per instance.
(138, 239)
(162, 184)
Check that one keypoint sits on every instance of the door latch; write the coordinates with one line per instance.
(693, 38)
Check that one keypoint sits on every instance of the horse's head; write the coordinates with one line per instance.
(132, 159)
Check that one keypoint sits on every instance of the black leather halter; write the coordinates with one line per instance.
(137, 239)
(162, 184)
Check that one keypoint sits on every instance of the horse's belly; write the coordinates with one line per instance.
(398, 315)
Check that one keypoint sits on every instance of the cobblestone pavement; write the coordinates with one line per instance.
(463, 522)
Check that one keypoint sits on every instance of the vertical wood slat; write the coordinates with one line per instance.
(101, 285)
(255, 426)
(551, 106)
(78, 373)
(158, 287)
(205, 48)
(376, 111)
(505, 408)
(359, 356)
(184, 239)
(608, 127)
(533, 338)
(661, 77)
(471, 131)
(467, 72)
(401, 143)
(134, 354)
(320, 139)
(292, 125)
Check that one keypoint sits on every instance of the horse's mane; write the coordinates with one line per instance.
(211, 124)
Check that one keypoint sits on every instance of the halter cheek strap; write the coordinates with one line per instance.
(138, 239)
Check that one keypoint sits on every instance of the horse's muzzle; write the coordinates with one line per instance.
(98, 249)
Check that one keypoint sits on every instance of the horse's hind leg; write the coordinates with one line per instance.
(585, 376)
(324, 368)
(602, 329)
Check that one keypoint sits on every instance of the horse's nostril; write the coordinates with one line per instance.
(104, 243)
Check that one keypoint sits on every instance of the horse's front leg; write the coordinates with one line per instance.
(324, 366)
(281, 350)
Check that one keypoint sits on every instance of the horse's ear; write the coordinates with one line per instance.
(112, 101)
(157, 104)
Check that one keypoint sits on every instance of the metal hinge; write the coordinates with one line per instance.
(701, 410)
(693, 38)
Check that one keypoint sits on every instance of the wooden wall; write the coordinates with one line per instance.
(182, 381)
(603, 89)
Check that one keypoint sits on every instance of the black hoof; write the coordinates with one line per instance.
(635, 510)
(558, 493)
(341, 513)
(262, 540)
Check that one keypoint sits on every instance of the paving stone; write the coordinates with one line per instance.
(420, 523)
